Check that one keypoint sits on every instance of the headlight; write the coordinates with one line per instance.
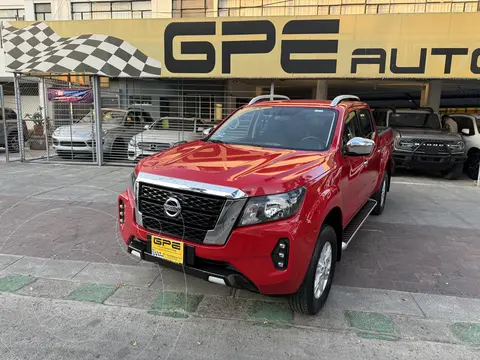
(405, 144)
(56, 132)
(133, 178)
(272, 207)
(458, 146)
(104, 132)
(133, 142)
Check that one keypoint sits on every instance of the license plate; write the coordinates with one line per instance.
(167, 249)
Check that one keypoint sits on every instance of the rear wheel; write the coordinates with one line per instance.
(312, 294)
(381, 196)
(472, 165)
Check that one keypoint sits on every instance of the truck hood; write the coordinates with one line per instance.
(80, 130)
(427, 134)
(254, 170)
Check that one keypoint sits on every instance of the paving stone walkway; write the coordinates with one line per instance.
(369, 313)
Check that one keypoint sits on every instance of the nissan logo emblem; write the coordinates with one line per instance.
(172, 207)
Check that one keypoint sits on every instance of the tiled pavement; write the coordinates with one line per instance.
(426, 241)
(368, 313)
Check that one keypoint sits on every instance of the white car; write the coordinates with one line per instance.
(469, 126)
(163, 134)
(118, 126)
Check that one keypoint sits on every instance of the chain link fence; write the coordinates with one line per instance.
(139, 117)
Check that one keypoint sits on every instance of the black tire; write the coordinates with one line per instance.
(304, 300)
(119, 151)
(454, 173)
(13, 142)
(472, 165)
(381, 195)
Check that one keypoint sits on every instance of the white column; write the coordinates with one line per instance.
(162, 8)
(29, 10)
(60, 10)
(321, 90)
(431, 95)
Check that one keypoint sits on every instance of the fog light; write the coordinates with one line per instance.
(121, 212)
(280, 254)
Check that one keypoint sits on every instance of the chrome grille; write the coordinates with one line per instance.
(199, 212)
(149, 146)
(430, 146)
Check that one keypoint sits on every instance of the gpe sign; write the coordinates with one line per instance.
(315, 47)
(265, 28)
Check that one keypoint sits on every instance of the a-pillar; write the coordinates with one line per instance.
(320, 92)
(431, 95)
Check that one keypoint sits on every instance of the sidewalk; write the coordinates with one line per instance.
(380, 315)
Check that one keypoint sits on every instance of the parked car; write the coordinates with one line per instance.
(11, 127)
(118, 127)
(267, 202)
(163, 134)
(421, 143)
(469, 127)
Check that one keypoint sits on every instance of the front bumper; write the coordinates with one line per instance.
(76, 146)
(414, 160)
(244, 261)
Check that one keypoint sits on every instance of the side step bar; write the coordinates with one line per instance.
(356, 223)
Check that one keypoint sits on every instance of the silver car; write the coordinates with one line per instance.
(118, 127)
(163, 134)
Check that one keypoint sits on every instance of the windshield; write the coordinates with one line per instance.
(478, 124)
(284, 127)
(108, 117)
(415, 120)
(173, 124)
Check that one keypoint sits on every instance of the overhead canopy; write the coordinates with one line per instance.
(396, 46)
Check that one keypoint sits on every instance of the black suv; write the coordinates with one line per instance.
(11, 128)
(421, 143)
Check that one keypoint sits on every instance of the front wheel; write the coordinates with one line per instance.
(312, 294)
(454, 173)
(472, 165)
(381, 196)
(13, 142)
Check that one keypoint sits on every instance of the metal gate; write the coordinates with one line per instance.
(137, 117)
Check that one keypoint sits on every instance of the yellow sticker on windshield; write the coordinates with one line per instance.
(165, 123)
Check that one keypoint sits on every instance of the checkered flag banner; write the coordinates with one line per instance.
(38, 49)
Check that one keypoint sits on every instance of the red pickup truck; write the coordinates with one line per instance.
(267, 201)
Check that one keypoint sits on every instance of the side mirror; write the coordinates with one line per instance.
(146, 127)
(466, 131)
(207, 131)
(359, 147)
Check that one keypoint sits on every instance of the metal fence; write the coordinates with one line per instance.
(138, 117)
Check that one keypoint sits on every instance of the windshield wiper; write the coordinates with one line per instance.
(216, 141)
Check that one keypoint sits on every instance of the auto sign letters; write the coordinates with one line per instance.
(328, 48)
(403, 46)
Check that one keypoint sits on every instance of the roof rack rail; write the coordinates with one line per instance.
(341, 98)
(268, 97)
